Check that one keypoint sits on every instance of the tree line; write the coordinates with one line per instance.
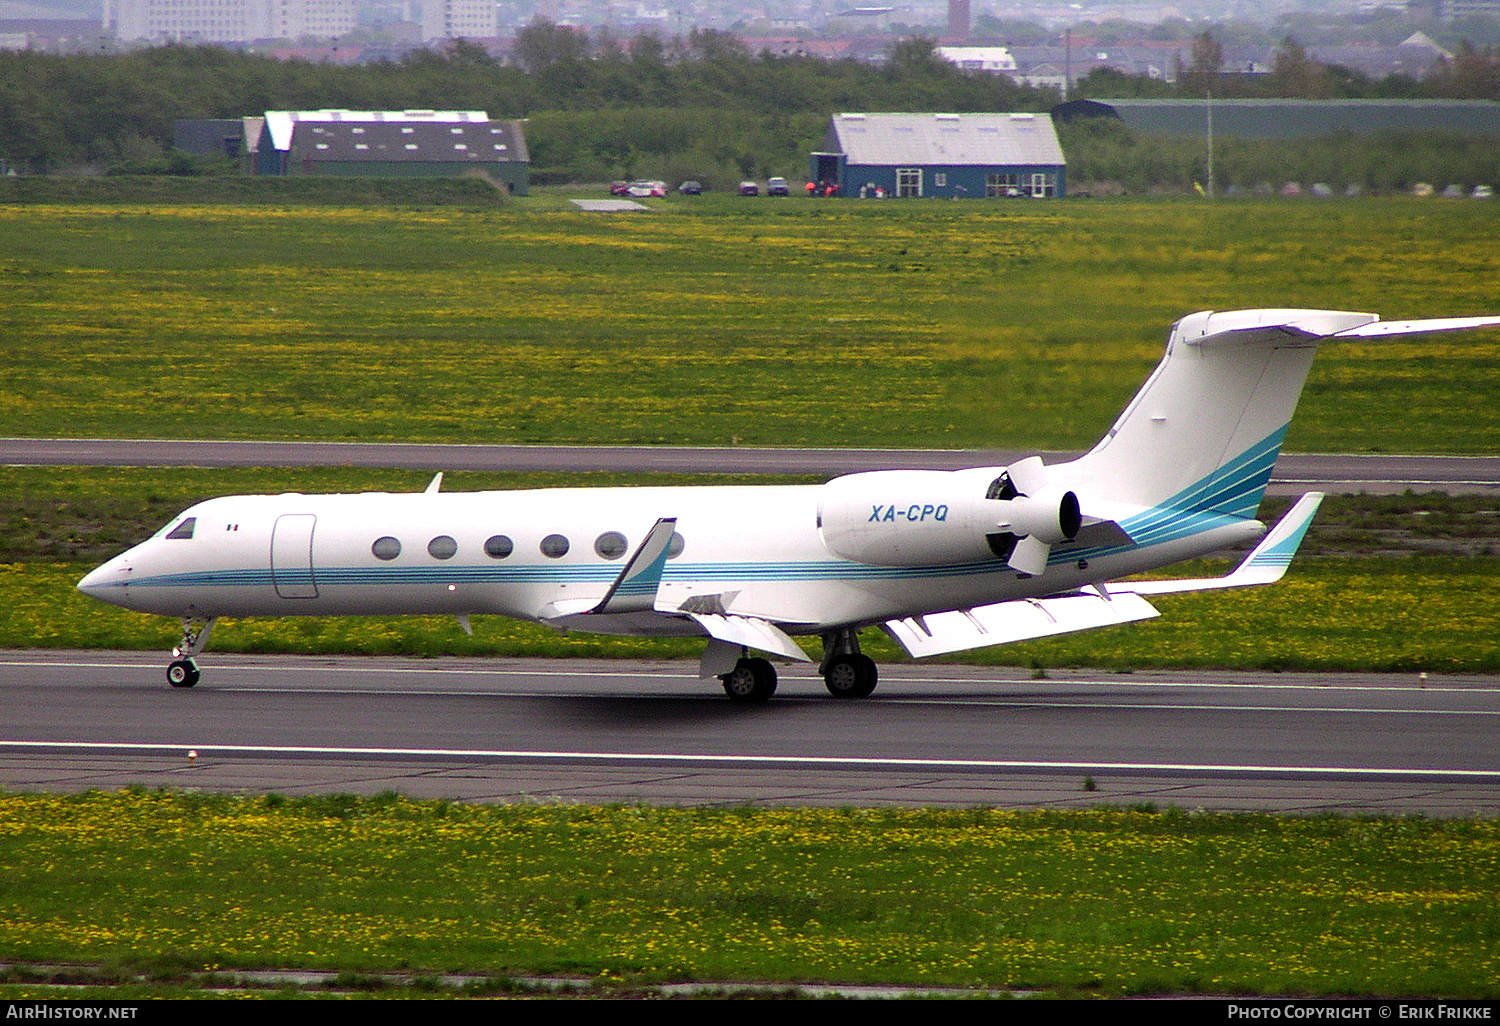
(597, 106)
(1471, 73)
(600, 107)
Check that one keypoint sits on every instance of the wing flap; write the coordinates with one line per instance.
(1003, 622)
(750, 632)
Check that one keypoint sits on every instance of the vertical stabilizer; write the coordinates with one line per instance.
(1203, 433)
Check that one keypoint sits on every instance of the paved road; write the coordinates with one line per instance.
(593, 731)
(1294, 473)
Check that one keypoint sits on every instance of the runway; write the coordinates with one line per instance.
(600, 732)
(1294, 473)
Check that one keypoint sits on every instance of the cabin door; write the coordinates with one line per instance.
(291, 556)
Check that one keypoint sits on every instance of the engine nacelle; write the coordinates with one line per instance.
(1051, 515)
(935, 517)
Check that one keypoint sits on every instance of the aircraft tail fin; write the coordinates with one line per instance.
(1203, 433)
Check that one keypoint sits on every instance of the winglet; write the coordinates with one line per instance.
(635, 589)
(1266, 564)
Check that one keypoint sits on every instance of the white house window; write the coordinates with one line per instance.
(1002, 184)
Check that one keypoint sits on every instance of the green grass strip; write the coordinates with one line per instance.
(1110, 902)
(912, 324)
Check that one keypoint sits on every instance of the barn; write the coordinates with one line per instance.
(940, 155)
(389, 144)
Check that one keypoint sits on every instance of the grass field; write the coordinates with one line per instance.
(1104, 903)
(784, 323)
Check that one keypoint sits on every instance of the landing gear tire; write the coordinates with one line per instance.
(851, 676)
(182, 673)
(751, 680)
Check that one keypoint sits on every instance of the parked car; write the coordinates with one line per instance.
(691, 188)
(619, 188)
(749, 189)
(777, 187)
(644, 189)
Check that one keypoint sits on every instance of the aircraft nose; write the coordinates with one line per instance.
(107, 583)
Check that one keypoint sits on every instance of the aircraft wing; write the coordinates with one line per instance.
(1017, 620)
(1266, 564)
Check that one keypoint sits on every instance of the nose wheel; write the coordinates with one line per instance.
(182, 671)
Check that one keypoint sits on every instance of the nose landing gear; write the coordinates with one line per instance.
(182, 671)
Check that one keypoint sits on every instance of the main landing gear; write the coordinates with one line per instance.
(752, 680)
(846, 671)
(182, 671)
(850, 676)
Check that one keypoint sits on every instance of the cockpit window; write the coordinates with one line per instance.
(184, 529)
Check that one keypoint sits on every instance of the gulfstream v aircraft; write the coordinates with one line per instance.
(941, 560)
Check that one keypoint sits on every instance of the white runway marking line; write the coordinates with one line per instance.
(888, 699)
(778, 760)
(661, 675)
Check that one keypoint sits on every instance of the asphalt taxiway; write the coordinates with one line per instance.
(1294, 473)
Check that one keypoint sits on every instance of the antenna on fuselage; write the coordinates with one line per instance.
(434, 484)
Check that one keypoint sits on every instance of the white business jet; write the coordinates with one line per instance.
(943, 561)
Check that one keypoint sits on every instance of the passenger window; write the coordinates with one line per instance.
(555, 545)
(610, 545)
(442, 547)
(184, 529)
(386, 548)
(498, 546)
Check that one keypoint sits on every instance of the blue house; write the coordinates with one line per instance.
(944, 155)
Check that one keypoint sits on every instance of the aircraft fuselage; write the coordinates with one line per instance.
(536, 554)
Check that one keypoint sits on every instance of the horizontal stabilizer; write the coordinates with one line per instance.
(1266, 564)
(961, 629)
(1380, 328)
(1312, 326)
(750, 632)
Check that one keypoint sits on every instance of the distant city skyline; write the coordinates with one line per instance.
(790, 26)
(1051, 14)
